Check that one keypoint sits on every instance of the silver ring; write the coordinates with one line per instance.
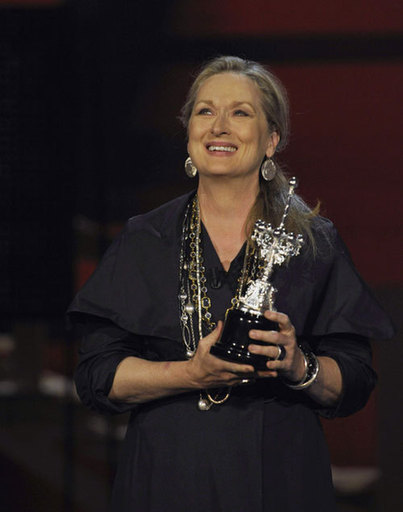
(281, 353)
(243, 382)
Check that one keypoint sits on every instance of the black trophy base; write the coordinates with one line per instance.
(234, 341)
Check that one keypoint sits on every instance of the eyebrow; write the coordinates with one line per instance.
(234, 104)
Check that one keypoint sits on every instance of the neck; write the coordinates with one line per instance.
(227, 202)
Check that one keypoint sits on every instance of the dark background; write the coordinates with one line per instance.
(89, 96)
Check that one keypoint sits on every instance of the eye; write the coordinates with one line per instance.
(241, 113)
(204, 112)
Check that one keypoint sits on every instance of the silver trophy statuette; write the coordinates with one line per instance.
(270, 247)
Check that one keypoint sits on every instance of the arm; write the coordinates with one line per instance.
(116, 369)
(137, 380)
(345, 378)
(353, 355)
(103, 346)
(328, 386)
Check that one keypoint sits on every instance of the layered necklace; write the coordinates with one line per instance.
(194, 303)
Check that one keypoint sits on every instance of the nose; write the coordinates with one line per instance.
(220, 125)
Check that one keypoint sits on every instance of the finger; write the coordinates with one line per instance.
(220, 378)
(234, 368)
(274, 351)
(214, 335)
(267, 374)
(270, 338)
(220, 364)
(276, 365)
(266, 336)
(282, 319)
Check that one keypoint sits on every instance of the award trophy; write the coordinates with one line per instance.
(269, 247)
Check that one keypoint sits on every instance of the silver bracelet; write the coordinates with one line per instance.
(311, 371)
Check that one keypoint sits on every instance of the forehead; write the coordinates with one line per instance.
(232, 86)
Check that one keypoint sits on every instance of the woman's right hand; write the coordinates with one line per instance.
(208, 371)
(139, 380)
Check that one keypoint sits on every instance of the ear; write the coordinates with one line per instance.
(274, 139)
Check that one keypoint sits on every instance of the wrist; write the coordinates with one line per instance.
(299, 374)
(189, 374)
(311, 370)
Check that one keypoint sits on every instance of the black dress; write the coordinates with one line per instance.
(263, 450)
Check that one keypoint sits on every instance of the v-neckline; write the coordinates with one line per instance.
(211, 256)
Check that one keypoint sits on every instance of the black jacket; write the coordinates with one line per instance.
(178, 458)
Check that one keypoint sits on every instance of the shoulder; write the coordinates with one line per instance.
(147, 233)
(332, 255)
(160, 220)
(323, 227)
(327, 238)
(329, 249)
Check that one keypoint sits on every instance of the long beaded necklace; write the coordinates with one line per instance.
(193, 298)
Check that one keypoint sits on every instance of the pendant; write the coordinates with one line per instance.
(204, 405)
(190, 353)
(189, 308)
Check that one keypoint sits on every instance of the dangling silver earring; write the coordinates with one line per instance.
(268, 169)
(190, 169)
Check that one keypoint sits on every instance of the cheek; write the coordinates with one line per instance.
(253, 133)
(194, 132)
(264, 139)
(193, 144)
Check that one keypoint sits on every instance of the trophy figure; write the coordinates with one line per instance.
(268, 247)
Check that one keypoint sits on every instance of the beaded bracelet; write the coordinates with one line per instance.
(311, 371)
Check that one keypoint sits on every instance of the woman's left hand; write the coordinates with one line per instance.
(292, 365)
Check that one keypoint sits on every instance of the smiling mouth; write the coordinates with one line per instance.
(228, 149)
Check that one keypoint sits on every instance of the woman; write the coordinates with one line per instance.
(198, 438)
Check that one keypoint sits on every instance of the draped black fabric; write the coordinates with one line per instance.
(263, 450)
(136, 283)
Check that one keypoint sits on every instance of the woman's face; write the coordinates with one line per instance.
(228, 130)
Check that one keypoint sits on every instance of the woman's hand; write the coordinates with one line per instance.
(328, 384)
(138, 380)
(292, 365)
(208, 371)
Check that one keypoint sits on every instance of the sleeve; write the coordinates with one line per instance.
(103, 346)
(135, 284)
(353, 354)
(336, 314)
(343, 301)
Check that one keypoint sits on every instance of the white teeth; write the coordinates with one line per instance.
(230, 149)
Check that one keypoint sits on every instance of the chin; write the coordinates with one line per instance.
(217, 170)
(216, 174)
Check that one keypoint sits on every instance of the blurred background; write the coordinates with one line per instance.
(90, 91)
